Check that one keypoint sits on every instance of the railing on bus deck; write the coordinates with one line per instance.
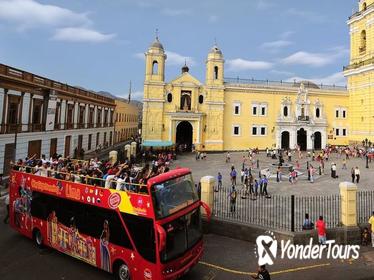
(105, 183)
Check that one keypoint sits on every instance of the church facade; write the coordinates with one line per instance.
(235, 114)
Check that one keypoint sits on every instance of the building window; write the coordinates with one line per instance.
(170, 97)
(318, 113)
(337, 132)
(237, 109)
(285, 111)
(337, 113)
(263, 110)
(363, 42)
(344, 132)
(216, 72)
(154, 67)
(344, 114)
(254, 110)
(236, 131)
(364, 6)
(263, 130)
(97, 139)
(254, 130)
(201, 99)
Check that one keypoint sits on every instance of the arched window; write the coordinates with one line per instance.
(318, 113)
(364, 6)
(170, 97)
(363, 41)
(215, 72)
(154, 67)
(285, 111)
(201, 99)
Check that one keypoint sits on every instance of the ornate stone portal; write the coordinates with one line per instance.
(298, 126)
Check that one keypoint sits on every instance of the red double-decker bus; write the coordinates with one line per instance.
(155, 233)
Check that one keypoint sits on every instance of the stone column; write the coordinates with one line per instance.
(87, 113)
(25, 111)
(63, 113)
(351, 233)
(95, 116)
(133, 148)
(348, 203)
(207, 190)
(113, 155)
(127, 151)
(2, 99)
(75, 115)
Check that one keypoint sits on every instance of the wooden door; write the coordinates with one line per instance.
(67, 146)
(34, 148)
(53, 147)
(8, 156)
(80, 142)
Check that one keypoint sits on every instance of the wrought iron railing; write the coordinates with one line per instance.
(365, 206)
(268, 83)
(359, 64)
(278, 211)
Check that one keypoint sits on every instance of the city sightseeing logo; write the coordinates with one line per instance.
(266, 250)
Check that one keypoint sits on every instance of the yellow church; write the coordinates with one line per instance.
(226, 114)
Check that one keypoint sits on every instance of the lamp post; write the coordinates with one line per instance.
(312, 137)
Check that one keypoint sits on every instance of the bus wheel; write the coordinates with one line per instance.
(122, 272)
(38, 238)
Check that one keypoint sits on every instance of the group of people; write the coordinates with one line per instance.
(107, 174)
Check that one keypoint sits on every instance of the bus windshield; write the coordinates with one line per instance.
(173, 195)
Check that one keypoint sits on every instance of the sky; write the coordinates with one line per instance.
(100, 44)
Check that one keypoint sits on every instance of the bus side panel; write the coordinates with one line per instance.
(20, 207)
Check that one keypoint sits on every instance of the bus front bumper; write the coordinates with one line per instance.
(185, 264)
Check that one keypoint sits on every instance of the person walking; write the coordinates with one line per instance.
(264, 184)
(321, 229)
(219, 179)
(311, 173)
(344, 167)
(228, 157)
(262, 273)
(333, 170)
(6, 219)
(233, 195)
(357, 174)
(371, 222)
(353, 174)
(242, 176)
(233, 176)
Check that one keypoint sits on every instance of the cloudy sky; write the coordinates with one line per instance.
(99, 44)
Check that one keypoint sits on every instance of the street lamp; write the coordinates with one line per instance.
(312, 137)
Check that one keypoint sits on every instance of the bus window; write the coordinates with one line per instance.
(143, 234)
(95, 218)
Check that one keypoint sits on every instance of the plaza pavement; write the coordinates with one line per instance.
(323, 185)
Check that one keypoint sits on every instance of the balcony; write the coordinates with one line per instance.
(362, 50)
(36, 127)
(359, 64)
(303, 118)
(10, 128)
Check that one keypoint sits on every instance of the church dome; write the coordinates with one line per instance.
(307, 84)
(215, 50)
(157, 45)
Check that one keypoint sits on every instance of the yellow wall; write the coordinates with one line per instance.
(360, 74)
(126, 121)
